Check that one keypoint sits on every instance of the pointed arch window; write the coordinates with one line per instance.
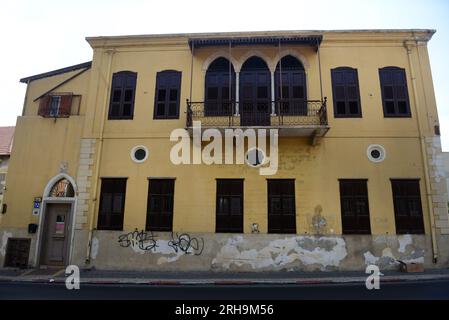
(62, 189)
(255, 93)
(219, 88)
(290, 84)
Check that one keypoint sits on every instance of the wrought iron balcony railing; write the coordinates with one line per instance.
(287, 112)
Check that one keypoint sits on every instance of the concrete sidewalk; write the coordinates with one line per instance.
(55, 275)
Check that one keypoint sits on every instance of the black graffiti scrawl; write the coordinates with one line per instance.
(184, 242)
(146, 241)
(142, 239)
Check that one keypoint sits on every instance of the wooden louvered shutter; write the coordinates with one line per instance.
(65, 105)
(44, 106)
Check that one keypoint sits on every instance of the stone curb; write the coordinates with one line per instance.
(171, 282)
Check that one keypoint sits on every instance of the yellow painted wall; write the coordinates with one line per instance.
(341, 154)
(40, 145)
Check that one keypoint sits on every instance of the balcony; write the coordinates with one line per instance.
(299, 118)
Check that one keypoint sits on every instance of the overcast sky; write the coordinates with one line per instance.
(43, 35)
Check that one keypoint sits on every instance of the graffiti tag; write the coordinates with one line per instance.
(187, 244)
(138, 239)
(146, 241)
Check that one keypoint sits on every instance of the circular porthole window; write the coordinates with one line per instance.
(139, 154)
(254, 157)
(376, 153)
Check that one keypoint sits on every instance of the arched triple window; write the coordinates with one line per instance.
(255, 93)
(62, 189)
(220, 88)
(290, 87)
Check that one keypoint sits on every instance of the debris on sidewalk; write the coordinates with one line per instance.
(411, 267)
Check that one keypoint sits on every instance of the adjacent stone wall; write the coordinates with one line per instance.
(83, 181)
(438, 185)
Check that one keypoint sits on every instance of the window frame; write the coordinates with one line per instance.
(395, 99)
(230, 216)
(110, 226)
(167, 100)
(150, 214)
(123, 88)
(58, 98)
(283, 229)
(290, 106)
(347, 114)
(353, 198)
(419, 227)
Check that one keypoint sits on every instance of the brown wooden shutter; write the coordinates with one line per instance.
(44, 106)
(66, 105)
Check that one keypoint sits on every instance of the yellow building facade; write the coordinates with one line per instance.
(94, 181)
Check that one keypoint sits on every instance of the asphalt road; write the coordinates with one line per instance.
(433, 290)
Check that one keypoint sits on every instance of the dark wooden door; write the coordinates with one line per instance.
(354, 206)
(407, 206)
(293, 95)
(56, 237)
(229, 209)
(255, 96)
(281, 206)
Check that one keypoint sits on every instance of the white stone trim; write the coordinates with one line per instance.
(216, 55)
(294, 53)
(378, 147)
(255, 53)
(133, 151)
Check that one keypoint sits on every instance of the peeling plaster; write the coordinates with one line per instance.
(95, 247)
(404, 241)
(5, 237)
(370, 258)
(322, 251)
(388, 258)
(437, 161)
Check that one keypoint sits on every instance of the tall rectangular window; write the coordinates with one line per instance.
(123, 90)
(160, 204)
(112, 204)
(393, 82)
(168, 92)
(346, 95)
(407, 206)
(229, 210)
(281, 206)
(354, 206)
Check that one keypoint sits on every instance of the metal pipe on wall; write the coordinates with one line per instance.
(423, 154)
(95, 179)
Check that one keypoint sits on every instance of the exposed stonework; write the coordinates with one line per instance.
(438, 185)
(83, 181)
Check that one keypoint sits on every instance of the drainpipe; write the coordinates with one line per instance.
(110, 53)
(423, 153)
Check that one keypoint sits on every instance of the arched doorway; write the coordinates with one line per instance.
(255, 93)
(219, 93)
(56, 221)
(292, 98)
